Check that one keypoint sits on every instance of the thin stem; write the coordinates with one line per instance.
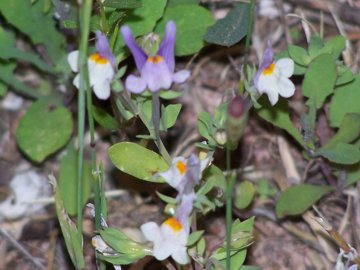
(84, 15)
(156, 122)
(228, 210)
(248, 34)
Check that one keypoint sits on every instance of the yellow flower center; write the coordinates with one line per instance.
(269, 69)
(93, 242)
(181, 167)
(155, 59)
(174, 224)
(98, 59)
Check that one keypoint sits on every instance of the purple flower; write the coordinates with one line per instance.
(157, 71)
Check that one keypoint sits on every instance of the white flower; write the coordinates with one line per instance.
(185, 171)
(169, 240)
(101, 67)
(176, 172)
(272, 77)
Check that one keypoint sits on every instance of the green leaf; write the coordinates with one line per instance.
(172, 3)
(244, 194)
(315, 46)
(320, 79)
(167, 199)
(122, 4)
(278, 115)
(68, 180)
(7, 77)
(334, 46)
(68, 229)
(104, 119)
(142, 20)
(231, 29)
(349, 130)
(170, 114)
(241, 235)
(168, 94)
(299, 55)
(192, 22)
(194, 238)
(342, 153)
(345, 75)
(352, 175)
(137, 161)
(8, 51)
(295, 200)
(45, 128)
(120, 242)
(250, 267)
(38, 26)
(345, 100)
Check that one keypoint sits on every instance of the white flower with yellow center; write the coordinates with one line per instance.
(272, 78)
(169, 240)
(101, 67)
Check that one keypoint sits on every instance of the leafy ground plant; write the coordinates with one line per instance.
(113, 73)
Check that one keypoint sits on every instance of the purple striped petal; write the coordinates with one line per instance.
(266, 60)
(103, 48)
(167, 46)
(139, 55)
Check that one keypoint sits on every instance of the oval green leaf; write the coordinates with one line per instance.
(319, 80)
(295, 200)
(45, 128)
(137, 161)
(192, 22)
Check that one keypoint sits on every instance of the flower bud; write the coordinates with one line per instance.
(237, 118)
(220, 137)
(150, 44)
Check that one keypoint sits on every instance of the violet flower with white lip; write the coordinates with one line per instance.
(272, 77)
(101, 67)
(156, 71)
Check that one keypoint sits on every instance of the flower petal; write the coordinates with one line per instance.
(267, 57)
(167, 46)
(102, 89)
(72, 59)
(172, 176)
(181, 76)
(76, 81)
(103, 48)
(151, 231)
(100, 76)
(179, 254)
(156, 75)
(269, 85)
(135, 84)
(273, 97)
(286, 87)
(266, 60)
(285, 67)
(138, 54)
(162, 249)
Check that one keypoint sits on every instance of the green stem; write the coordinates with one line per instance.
(84, 15)
(229, 189)
(247, 41)
(103, 20)
(156, 123)
(95, 173)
